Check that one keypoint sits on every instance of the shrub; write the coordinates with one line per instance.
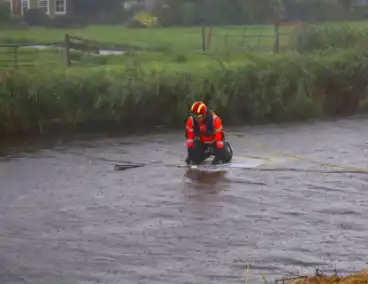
(67, 21)
(142, 19)
(4, 12)
(164, 15)
(133, 23)
(36, 17)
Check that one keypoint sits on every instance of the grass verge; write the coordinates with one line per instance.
(353, 278)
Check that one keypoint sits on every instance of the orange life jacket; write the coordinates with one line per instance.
(209, 131)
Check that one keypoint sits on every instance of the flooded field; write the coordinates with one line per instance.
(67, 217)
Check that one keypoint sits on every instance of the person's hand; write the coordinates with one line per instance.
(187, 160)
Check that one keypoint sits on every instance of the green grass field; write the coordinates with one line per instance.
(166, 45)
(180, 39)
(169, 45)
(11, 56)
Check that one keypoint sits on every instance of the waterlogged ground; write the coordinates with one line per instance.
(67, 217)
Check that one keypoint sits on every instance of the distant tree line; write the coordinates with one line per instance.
(235, 12)
(229, 12)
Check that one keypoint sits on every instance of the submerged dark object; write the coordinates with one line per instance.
(124, 167)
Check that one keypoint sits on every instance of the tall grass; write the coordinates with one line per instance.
(254, 89)
(325, 37)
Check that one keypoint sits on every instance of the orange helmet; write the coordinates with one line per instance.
(198, 109)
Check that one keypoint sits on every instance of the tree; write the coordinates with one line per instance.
(238, 12)
(92, 9)
(315, 10)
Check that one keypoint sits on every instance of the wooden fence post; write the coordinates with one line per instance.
(209, 36)
(276, 47)
(68, 61)
(15, 56)
(203, 37)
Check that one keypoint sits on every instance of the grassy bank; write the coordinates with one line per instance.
(255, 89)
(353, 278)
(151, 88)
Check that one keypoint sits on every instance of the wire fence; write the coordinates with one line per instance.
(67, 52)
(72, 50)
(254, 38)
(30, 54)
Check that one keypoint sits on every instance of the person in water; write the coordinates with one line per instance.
(205, 136)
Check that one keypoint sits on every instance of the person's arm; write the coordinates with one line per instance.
(190, 132)
(217, 125)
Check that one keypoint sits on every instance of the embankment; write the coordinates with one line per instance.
(257, 88)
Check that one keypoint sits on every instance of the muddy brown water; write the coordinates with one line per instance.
(67, 217)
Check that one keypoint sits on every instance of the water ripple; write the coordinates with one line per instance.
(66, 216)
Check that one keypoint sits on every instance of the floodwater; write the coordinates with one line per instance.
(67, 217)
